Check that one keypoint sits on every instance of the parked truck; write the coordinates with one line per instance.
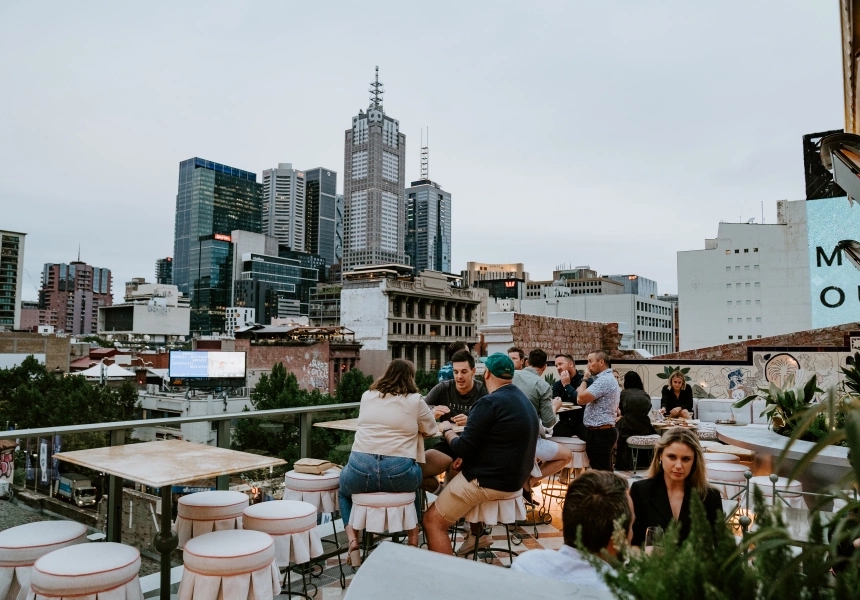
(77, 489)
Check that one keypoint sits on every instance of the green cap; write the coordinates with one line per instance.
(500, 365)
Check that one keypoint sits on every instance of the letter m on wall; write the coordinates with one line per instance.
(821, 254)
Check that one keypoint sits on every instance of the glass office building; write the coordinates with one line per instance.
(212, 200)
(278, 286)
(428, 227)
(321, 214)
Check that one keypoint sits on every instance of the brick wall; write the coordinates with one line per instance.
(566, 336)
(56, 349)
(828, 337)
(309, 363)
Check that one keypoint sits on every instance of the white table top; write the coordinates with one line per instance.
(759, 438)
(167, 462)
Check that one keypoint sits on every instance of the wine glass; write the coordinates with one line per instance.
(653, 538)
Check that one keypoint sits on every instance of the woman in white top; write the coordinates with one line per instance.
(393, 421)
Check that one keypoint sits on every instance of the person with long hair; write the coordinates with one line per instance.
(677, 397)
(635, 406)
(677, 472)
(393, 421)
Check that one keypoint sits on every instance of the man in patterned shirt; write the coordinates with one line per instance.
(601, 400)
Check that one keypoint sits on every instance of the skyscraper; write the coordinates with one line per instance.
(212, 201)
(373, 187)
(11, 278)
(164, 270)
(284, 205)
(75, 291)
(428, 227)
(321, 213)
(338, 242)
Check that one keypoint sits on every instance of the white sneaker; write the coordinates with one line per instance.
(468, 545)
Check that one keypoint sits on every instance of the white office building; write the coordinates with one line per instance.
(284, 205)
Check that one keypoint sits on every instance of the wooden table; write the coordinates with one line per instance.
(352, 425)
(161, 465)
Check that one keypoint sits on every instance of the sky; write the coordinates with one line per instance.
(609, 134)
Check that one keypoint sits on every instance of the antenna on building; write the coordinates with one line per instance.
(376, 91)
(79, 252)
(425, 155)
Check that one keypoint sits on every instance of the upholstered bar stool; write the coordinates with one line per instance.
(640, 442)
(22, 546)
(321, 492)
(787, 490)
(383, 512)
(728, 477)
(205, 512)
(292, 524)
(505, 511)
(579, 460)
(712, 457)
(103, 571)
(237, 564)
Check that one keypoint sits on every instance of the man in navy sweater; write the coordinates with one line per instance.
(497, 449)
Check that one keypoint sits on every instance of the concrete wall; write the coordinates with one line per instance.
(55, 348)
(365, 311)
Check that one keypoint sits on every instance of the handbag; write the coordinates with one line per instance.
(312, 466)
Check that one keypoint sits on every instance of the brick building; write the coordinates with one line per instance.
(75, 291)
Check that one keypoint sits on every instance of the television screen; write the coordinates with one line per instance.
(207, 365)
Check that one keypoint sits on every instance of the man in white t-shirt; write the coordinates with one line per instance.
(594, 502)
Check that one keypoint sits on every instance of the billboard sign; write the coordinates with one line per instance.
(207, 365)
(834, 278)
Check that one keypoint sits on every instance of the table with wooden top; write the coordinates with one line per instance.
(161, 465)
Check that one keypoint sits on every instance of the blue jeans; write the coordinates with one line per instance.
(376, 473)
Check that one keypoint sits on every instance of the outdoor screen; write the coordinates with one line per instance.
(207, 365)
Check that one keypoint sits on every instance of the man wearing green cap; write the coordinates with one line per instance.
(497, 448)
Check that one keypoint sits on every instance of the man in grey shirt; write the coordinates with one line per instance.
(553, 456)
(594, 502)
(601, 400)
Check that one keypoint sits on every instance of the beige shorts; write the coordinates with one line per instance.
(459, 496)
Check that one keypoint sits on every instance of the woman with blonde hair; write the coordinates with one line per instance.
(393, 421)
(677, 472)
(677, 397)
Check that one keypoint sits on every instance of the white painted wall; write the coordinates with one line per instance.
(365, 311)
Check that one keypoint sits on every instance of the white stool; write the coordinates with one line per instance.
(727, 475)
(505, 511)
(383, 512)
(783, 486)
(205, 512)
(579, 460)
(712, 457)
(708, 444)
(840, 503)
(234, 564)
(640, 442)
(22, 546)
(103, 571)
(322, 492)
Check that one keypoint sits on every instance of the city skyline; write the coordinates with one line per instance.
(521, 107)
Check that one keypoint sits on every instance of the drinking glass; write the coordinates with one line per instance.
(653, 538)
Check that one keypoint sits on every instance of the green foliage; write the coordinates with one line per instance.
(31, 397)
(549, 378)
(851, 381)
(784, 406)
(426, 380)
(281, 438)
(667, 373)
(99, 341)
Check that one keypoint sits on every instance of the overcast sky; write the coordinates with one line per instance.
(612, 134)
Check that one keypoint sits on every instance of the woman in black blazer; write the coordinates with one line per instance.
(677, 397)
(677, 472)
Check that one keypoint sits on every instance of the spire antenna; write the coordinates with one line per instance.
(425, 155)
(376, 91)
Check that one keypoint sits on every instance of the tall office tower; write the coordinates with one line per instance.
(164, 270)
(338, 241)
(428, 227)
(11, 278)
(373, 187)
(284, 205)
(213, 200)
(321, 214)
(75, 291)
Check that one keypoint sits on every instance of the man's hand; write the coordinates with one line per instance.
(556, 404)
(457, 464)
(565, 377)
(459, 420)
(438, 411)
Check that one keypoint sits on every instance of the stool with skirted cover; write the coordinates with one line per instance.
(22, 546)
(505, 511)
(787, 490)
(205, 512)
(728, 478)
(391, 513)
(292, 524)
(555, 487)
(96, 571)
(721, 457)
(238, 564)
(640, 442)
(320, 491)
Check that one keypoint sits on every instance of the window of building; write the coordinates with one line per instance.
(728, 268)
(746, 285)
(749, 337)
(737, 267)
(738, 303)
(737, 285)
(728, 251)
(746, 267)
(749, 319)
(748, 302)
(729, 302)
(758, 319)
(730, 319)
(737, 251)
(758, 336)
(729, 286)
(755, 267)
(757, 284)
(746, 250)
(758, 302)
(755, 250)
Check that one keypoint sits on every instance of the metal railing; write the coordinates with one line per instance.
(117, 438)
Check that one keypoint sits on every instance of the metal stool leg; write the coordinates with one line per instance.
(339, 551)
